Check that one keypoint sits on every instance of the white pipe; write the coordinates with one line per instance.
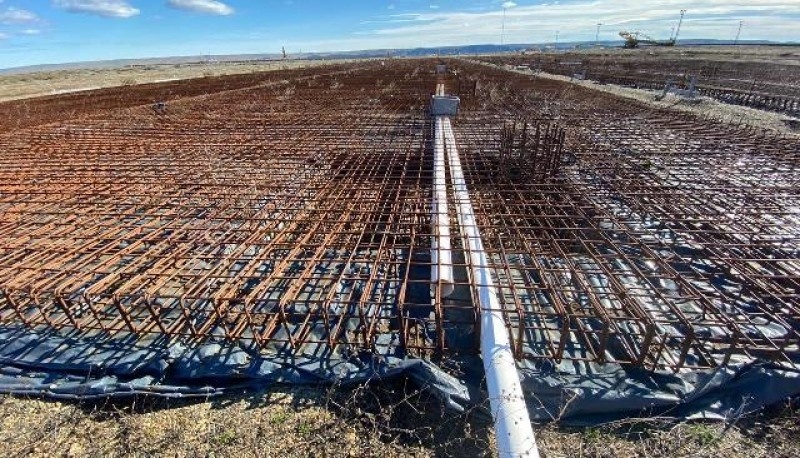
(512, 423)
(441, 256)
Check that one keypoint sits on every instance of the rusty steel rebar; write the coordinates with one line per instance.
(294, 208)
(772, 86)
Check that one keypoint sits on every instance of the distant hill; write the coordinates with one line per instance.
(368, 53)
(496, 49)
(118, 63)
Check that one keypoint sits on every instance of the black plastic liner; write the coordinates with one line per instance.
(53, 365)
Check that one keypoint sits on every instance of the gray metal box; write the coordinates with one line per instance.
(441, 69)
(444, 105)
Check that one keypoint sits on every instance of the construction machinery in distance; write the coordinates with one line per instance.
(634, 39)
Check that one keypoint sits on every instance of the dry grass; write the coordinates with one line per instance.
(21, 86)
(773, 433)
(389, 420)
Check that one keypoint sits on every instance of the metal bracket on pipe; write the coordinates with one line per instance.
(444, 105)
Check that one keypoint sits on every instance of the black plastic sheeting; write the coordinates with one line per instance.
(48, 364)
(591, 393)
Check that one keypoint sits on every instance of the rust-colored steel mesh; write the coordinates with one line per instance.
(290, 208)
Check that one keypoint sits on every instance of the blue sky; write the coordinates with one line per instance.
(57, 31)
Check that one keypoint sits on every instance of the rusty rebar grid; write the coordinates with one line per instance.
(293, 212)
(281, 214)
(669, 241)
(772, 86)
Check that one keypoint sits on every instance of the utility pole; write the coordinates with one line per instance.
(556, 45)
(503, 27)
(738, 32)
(678, 30)
(506, 6)
(597, 35)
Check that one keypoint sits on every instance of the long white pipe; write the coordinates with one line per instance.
(442, 259)
(512, 423)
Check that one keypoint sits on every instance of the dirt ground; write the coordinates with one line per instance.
(387, 421)
(786, 55)
(26, 85)
(703, 106)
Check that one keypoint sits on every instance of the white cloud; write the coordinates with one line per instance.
(105, 8)
(13, 15)
(3, 36)
(507, 5)
(31, 32)
(765, 19)
(202, 6)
